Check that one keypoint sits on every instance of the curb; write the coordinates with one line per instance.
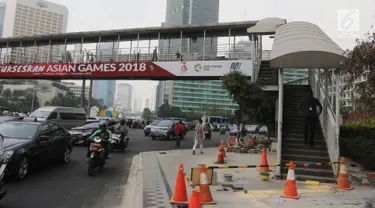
(133, 196)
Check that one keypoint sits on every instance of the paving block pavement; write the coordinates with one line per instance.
(160, 170)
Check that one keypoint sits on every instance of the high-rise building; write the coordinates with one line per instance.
(124, 96)
(107, 51)
(180, 12)
(293, 74)
(106, 90)
(34, 17)
(2, 16)
(76, 89)
(148, 102)
(198, 96)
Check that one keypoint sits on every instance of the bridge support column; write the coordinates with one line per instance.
(325, 104)
(280, 120)
(337, 113)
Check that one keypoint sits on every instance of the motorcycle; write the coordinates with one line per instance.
(207, 134)
(223, 130)
(3, 190)
(97, 159)
(119, 141)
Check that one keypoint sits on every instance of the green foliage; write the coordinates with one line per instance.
(18, 100)
(147, 114)
(166, 110)
(67, 100)
(361, 62)
(252, 100)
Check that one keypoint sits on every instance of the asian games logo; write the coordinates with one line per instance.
(183, 66)
(198, 67)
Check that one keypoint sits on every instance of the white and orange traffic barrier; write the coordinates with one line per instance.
(343, 181)
(290, 190)
(205, 196)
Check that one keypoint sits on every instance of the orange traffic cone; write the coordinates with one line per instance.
(222, 142)
(290, 190)
(180, 195)
(194, 199)
(236, 143)
(220, 157)
(343, 180)
(222, 149)
(205, 196)
(264, 161)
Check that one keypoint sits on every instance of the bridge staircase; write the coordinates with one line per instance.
(293, 147)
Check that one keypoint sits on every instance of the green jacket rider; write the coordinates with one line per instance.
(104, 133)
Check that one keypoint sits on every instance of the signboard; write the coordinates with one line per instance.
(125, 70)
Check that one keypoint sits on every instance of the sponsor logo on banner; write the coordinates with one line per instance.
(198, 67)
(208, 67)
(235, 66)
(183, 66)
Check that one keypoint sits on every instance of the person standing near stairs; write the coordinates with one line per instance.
(308, 107)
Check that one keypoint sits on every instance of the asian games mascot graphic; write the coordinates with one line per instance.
(183, 66)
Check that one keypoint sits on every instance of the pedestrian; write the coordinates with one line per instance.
(179, 131)
(199, 136)
(155, 54)
(308, 108)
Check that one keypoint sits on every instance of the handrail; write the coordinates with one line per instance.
(330, 125)
(296, 80)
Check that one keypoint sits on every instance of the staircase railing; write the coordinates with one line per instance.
(328, 123)
(299, 81)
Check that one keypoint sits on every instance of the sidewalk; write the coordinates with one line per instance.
(159, 170)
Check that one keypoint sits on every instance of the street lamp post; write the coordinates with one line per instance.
(34, 94)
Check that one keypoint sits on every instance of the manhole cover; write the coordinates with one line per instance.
(162, 153)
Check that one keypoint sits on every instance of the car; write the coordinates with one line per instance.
(27, 144)
(165, 130)
(252, 129)
(263, 130)
(147, 129)
(233, 131)
(10, 118)
(67, 117)
(82, 133)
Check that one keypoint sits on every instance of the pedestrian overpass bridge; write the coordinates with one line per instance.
(193, 52)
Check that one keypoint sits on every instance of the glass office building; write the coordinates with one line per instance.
(193, 96)
(2, 15)
(105, 89)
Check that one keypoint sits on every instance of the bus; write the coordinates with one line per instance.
(215, 120)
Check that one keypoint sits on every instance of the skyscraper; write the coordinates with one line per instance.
(198, 96)
(34, 17)
(180, 12)
(124, 96)
(2, 16)
(106, 90)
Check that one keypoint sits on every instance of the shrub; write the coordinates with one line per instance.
(358, 143)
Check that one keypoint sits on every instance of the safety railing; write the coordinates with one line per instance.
(133, 54)
(299, 81)
(328, 122)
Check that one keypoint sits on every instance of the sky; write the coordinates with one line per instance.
(88, 15)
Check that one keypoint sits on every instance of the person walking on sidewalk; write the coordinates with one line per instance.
(308, 108)
(179, 131)
(199, 136)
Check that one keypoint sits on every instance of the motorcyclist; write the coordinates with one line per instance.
(103, 133)
(121, 127)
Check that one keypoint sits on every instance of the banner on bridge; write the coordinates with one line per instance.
(127, 70)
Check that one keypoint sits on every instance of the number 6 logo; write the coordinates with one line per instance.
(348, 20)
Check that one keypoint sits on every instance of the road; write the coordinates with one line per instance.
(69, 186)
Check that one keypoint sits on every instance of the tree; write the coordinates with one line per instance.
(360, 62)
(146, 114)
(253, 102)
(67, 100)
(166, 110)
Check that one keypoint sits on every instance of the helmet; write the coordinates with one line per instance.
(102, 124)
(122, 121)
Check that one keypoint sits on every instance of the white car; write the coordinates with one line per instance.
(263, 130)
(251, 129)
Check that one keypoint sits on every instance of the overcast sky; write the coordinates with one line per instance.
(87, 15)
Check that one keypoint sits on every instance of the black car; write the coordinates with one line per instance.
(28, 144)
(147, 129)
(80, 134)
(165, 130)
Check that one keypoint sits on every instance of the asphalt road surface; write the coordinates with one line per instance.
(69, 186)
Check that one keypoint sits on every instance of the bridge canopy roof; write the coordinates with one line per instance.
(304, 45)
(266, 26)
(212, 30)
